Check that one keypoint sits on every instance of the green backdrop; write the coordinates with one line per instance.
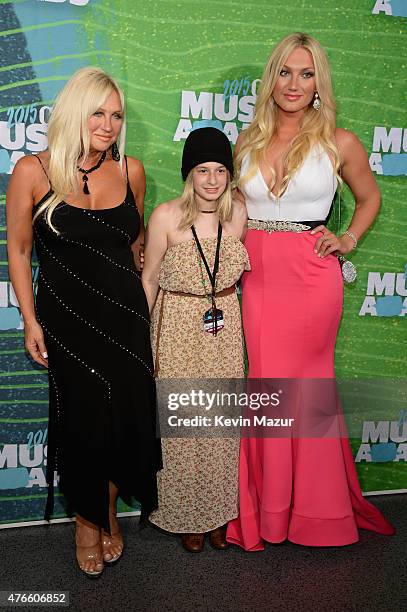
(160, 51)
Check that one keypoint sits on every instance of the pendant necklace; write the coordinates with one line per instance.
(86, 172)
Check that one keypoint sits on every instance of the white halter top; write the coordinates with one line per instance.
(308, 196)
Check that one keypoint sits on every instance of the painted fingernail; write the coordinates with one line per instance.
(45, 355)
(315, 251)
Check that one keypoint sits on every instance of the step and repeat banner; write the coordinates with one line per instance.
(182, 66)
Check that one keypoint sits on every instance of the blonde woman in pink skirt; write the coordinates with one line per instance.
(290, 162)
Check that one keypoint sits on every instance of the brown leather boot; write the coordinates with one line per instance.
(217, 538)
(193, 542)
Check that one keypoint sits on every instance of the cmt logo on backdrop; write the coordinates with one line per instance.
(385, 295)
(22, 466)
(384, 441)
(230, 111)
(10, 316)
(25, 130)
(392, 8)
(75, 2)
(389, 151)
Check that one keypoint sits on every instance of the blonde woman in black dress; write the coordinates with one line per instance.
(90, 323)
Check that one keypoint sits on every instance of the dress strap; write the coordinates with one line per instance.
(43, 168)
(127, 169)
(130, 193)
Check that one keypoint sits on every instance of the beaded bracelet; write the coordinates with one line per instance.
(352, 235)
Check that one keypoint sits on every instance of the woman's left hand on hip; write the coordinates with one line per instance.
(329, 243)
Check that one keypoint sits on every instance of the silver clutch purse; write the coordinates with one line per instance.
(349, 272)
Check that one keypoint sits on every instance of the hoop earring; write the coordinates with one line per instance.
(115, 152)
(317, 102)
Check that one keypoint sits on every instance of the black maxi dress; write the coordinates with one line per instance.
(92, 308)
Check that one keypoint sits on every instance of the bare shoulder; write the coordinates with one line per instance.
(346, 139)
(28, 167)
(349, 145)
(135, 168)
(28, 177)
(166, 211)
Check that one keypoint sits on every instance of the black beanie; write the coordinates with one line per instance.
(206, 144)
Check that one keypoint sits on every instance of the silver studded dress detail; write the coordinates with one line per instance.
(94, 314)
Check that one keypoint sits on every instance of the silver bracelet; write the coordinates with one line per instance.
(352, 235)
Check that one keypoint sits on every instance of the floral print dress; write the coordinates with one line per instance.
(198, 485)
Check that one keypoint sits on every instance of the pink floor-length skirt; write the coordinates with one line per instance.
(305, 490)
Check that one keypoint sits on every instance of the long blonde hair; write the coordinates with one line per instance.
(317, 126)
(68, 132)
(189, 206)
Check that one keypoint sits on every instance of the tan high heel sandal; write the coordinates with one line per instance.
(89, 553)
(114, 539)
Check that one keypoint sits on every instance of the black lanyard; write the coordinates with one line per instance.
(211, 275)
